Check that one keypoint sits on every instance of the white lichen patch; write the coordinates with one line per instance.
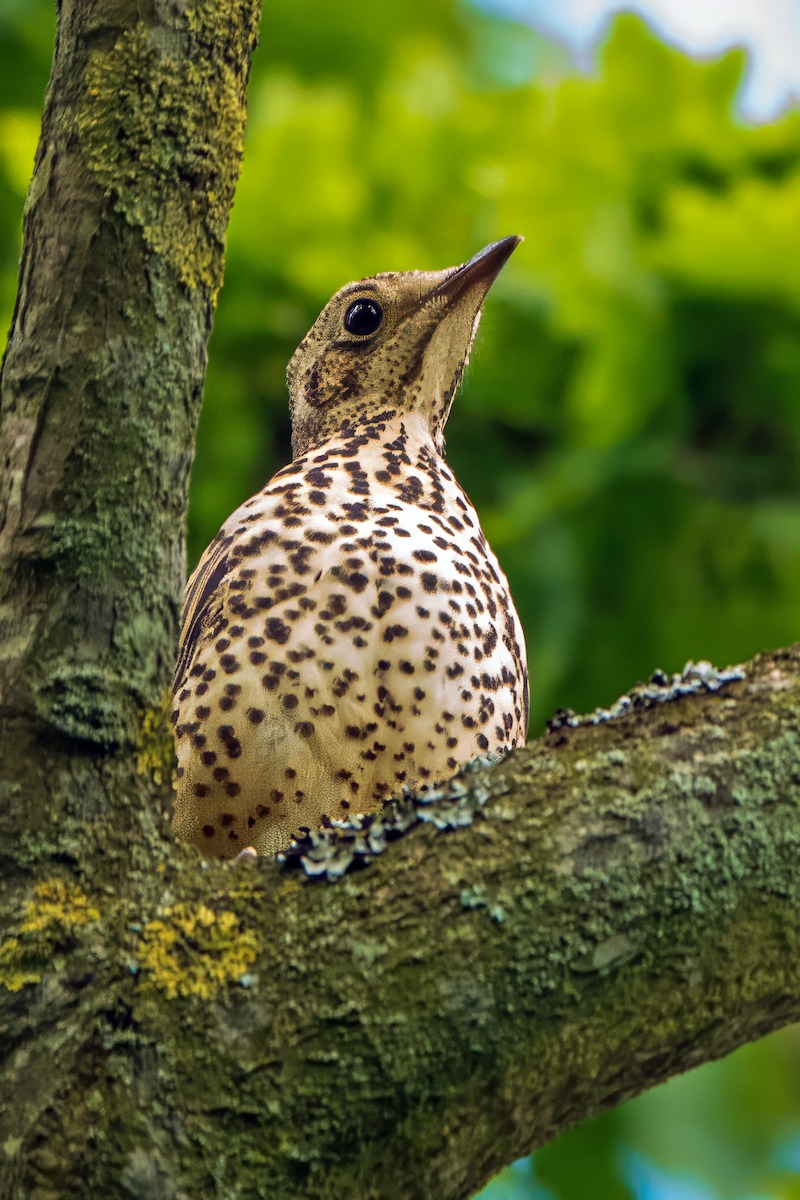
(694, 679)
(345, 844)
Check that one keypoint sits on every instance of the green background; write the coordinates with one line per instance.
(630, 422)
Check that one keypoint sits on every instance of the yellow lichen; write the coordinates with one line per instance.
(51, 919)
(155, 748)
(195, 951)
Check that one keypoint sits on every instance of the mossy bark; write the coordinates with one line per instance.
(100, 391)
(622, 908)
(124, 232)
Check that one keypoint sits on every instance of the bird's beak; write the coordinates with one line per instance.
(481, 271)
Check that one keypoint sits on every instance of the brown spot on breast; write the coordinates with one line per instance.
(394, 631)
(277, 631)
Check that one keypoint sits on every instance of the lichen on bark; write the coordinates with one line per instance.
(194, 950)
(51, 920)
(164, 132)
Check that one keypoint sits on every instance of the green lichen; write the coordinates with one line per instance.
(49, 925)
(195, 951)
(163, 131)
(85, 702)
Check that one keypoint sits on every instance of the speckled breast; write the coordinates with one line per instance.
(349, 631)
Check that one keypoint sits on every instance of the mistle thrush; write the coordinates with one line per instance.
(349, 630)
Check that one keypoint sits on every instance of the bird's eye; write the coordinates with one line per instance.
(363, 317)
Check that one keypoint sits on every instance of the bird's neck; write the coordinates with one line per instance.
(407, 429)
(320, 427)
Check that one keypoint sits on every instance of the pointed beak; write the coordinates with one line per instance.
(481, 271)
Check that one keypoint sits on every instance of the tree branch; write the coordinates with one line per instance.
(623, 907)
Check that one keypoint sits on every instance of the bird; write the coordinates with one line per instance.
(349, 633)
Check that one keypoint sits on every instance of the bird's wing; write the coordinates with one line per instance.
(201, 592)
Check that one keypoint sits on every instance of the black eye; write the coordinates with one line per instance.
(363, 317)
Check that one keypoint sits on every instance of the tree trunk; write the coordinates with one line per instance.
(124, 233)
(611, 906)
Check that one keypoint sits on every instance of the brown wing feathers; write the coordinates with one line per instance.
(199, 597)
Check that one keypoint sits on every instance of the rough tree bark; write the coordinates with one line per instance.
(619, 905)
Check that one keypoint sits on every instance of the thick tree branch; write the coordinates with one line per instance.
(623, 907)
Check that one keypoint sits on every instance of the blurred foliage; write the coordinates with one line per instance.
(629, 428)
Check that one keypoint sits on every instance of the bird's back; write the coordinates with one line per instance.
(349, 631)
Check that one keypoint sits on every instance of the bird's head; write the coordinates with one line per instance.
(391, 344)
